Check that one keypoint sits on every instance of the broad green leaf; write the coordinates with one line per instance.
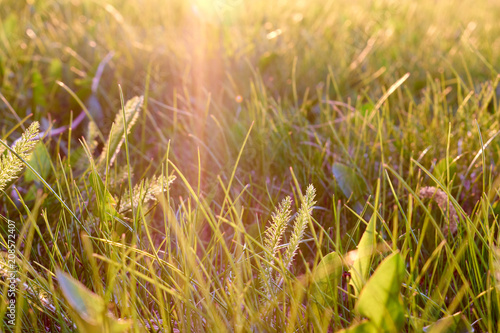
(380, 300)
(88, 309)
(39, 91)
(325, 280)
(326, 277)
(440, 170)
(350, 183)
(55, 69)
(366, 108)
(450, 324)
(40, 161)
(88, 306)
(10, 24)
(362, 262)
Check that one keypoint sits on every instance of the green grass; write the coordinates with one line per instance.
(388, 108)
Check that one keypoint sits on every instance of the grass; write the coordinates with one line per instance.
(190, 209)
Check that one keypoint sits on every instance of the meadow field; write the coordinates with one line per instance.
(249, 166)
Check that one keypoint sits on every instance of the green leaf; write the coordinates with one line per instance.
(440, 170)
(326, 277)
(350, 183)
(10, 25)
(361, 267)
(88, 306)
(380, 300)
(366, 108)
(55, 69)
(456, 323)
(40, 161)
(39, 91)
(88, 309)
